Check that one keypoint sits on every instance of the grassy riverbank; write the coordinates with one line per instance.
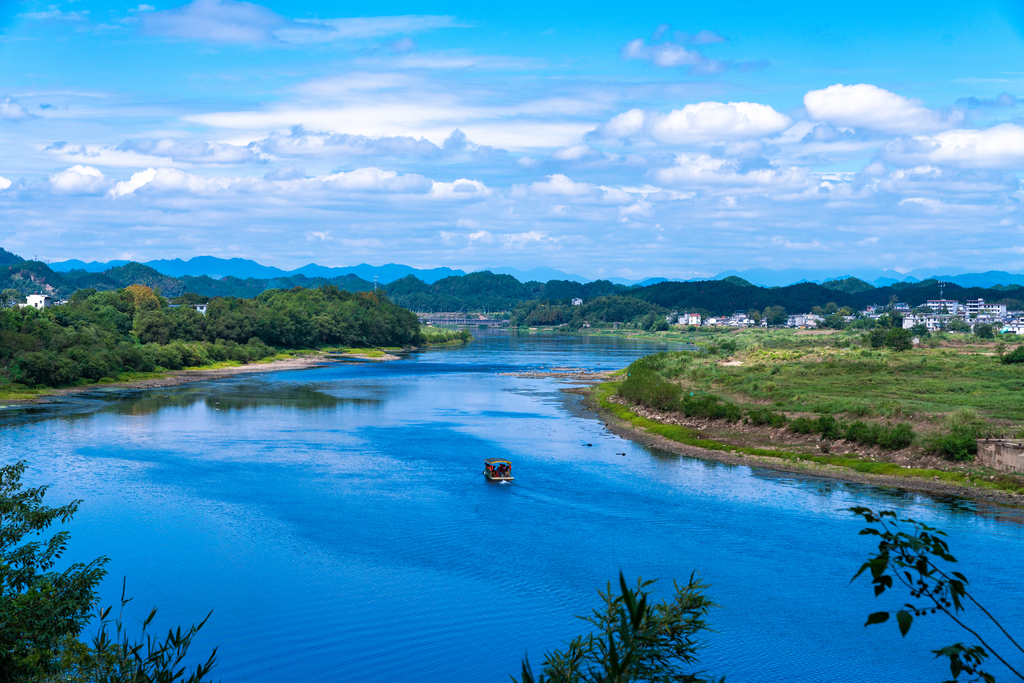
(831, 399)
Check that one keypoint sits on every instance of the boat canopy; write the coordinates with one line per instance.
(497, 461)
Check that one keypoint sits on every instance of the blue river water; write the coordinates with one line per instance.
(337, 523)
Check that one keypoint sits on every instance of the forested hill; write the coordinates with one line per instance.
(485, 291)
(29, 277)
(99, 335)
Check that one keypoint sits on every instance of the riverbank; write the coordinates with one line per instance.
(173, 378)
(621, 420)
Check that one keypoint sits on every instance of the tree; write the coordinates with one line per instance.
(9, 298)
(42, 612)
(898, 339)
(634, 640)
(877, 337)
(775, 315)
(984, 331)
(39, 608)
(918, 562)
(957, 325)
(920, 330)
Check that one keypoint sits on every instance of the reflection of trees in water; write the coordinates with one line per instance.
(247, 397)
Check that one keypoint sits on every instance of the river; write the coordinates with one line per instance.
(337, 523)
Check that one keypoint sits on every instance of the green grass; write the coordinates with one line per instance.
(832, 373)
(691, 437)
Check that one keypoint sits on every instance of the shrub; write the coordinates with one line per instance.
(766, 416)
(803, 425)
(711, 407)
(894, 438)
(958, 444)
(828, 427)
(648, 388)
(1015, 356)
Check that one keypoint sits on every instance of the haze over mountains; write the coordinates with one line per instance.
(244, 268)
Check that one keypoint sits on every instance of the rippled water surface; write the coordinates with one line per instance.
(337, 523)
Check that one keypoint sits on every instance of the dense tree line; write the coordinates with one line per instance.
(101, 334)
(605, 309)
(486, 291)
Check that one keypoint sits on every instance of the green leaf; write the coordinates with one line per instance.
(904, 619)
(877, 618)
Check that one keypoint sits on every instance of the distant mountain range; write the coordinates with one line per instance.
(244, 268)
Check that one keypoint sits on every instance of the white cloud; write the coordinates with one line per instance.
(4, 183)
(575, 153)
(719, 121)
(673, 53)
(698, 123)
(345, 183)
(555, 185)
(326, 30)
(218, 21)
(628, 124)
(868, 106)
(79, 180)
(460, 189)
(670, 54)
(707, 171)
(1000, 146)
(231, 21)
(135, 182)
(11, 110)
(371, 180)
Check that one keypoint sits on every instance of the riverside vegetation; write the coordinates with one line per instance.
(833, 399)
(128, 333)
(44, 613)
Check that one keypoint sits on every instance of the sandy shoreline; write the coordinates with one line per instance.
(807, 468)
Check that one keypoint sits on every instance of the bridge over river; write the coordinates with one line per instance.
(459, 320)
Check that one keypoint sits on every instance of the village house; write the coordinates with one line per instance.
(39, 301)
(577, 302)
(690, 319)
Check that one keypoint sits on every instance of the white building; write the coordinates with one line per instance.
(577, 302)
(951, 305)
(38, 301)
(200, 308)
(976, 306)
(690, 319)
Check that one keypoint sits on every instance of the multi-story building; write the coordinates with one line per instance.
(950, 305)
(976, 306)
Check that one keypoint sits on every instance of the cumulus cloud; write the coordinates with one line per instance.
(868, 106)
(79, 180)
(1000, 146)
(4, 183)
(698, 123)
(232, 21)
(292, 186)
(462, 188)
(190, 151)
(11, 110)
(719, 121)
(555, 185)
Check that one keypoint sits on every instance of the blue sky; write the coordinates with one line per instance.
(653, 139)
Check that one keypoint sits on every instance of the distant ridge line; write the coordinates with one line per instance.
(763, 277)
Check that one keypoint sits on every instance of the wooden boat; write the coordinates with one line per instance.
(498, 469)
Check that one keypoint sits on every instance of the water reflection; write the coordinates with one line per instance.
(348, 501)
